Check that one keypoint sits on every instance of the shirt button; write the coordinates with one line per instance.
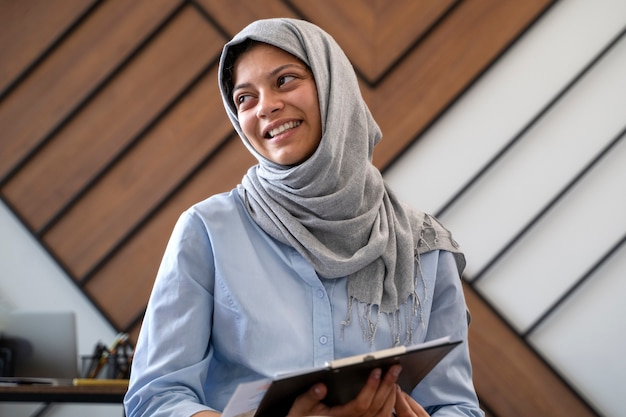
(320, 293)
(323, 340)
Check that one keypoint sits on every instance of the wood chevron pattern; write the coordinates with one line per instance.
(111, 124)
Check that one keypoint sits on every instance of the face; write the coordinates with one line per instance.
(277, 105)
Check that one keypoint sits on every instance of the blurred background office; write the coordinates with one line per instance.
(504, 118)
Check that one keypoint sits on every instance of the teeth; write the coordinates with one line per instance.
(282, 128)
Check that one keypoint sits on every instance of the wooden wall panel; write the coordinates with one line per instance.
(119, 127)
(503, 364)
(28, 27)
(455, 53)
(83, 236)
(363, 30)
(56, 88)
(232, 16)
(122, 285)
(109, 122)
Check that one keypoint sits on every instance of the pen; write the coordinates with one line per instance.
(94, 365)
(118, 345)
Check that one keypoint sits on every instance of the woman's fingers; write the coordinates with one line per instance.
(377, 397)
(309, 403)
(402, 407)
(406, 406)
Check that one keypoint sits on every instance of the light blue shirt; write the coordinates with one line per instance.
(231, 304)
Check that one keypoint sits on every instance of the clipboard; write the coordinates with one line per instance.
(344, 379)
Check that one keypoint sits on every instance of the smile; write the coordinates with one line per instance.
(282, 128)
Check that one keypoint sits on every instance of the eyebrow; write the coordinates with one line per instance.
(271, 74)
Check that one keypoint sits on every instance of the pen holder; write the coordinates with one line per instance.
(105, 367)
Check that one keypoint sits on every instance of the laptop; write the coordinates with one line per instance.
(42, 346)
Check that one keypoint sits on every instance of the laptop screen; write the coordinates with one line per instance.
(42, 344)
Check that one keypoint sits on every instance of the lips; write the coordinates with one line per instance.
(282, 128)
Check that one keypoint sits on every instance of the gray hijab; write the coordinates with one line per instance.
(334, 208)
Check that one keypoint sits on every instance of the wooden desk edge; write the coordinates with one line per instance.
(64, 393)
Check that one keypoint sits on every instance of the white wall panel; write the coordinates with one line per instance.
(510, 94)
(545, 159)
(563, 245)
(31, 280)
(586, 337)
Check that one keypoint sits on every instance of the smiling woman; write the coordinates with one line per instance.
(276, 100)
(311, 258)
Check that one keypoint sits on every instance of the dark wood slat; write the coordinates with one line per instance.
(446, 63)
(122, 286)
(374, 34)
(113, 118)
(146, 174)
(66, 77)
(234, 15)
(509, 377)
(28, 29)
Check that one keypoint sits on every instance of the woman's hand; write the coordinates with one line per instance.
(309, 403)
(376, 399)
(406, 406)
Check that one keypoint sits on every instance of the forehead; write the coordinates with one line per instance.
(261, 59)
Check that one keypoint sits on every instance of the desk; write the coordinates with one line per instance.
(68, 393)
(63, 393)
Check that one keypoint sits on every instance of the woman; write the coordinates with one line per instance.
(311, 258)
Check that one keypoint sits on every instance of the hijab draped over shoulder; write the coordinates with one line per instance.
(334, 208)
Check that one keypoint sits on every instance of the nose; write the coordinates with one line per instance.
(269, 102)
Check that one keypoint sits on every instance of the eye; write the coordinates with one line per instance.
(284, 79)
(242, 100)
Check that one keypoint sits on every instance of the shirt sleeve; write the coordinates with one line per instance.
(172, 353)
(448, 389)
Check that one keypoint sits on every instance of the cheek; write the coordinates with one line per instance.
(248, 127)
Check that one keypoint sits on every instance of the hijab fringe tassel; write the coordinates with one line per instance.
(369, 315)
